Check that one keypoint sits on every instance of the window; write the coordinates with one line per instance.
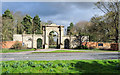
(100, 44)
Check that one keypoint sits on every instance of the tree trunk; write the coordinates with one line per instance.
(117, 36)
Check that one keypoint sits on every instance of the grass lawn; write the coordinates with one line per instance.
(13, 50)
(60, 51)
(98, 50)
(72, 51)
(61, 66)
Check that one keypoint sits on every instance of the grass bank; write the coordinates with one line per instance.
(13, 50)
(61, 66)
(61, 51)
(73, 51)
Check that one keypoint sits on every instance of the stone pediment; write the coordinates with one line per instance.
(53, 25)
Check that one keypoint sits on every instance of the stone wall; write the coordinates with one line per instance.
(96, 45)
(8, 44)
(27, 38)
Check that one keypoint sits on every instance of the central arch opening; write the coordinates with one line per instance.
(53, 39)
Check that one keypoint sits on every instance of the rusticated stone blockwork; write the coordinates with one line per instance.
(27, 38)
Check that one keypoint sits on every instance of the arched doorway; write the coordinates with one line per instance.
(66, 44)
(39, 43)
(53, 39)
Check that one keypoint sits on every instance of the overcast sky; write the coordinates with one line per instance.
(61, 13)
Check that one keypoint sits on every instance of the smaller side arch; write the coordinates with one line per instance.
(39, 43)
(66, 44)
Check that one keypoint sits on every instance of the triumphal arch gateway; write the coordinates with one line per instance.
(30, 40)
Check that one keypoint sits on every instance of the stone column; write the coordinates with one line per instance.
(45, 38)
(34, 42)
(61, 44)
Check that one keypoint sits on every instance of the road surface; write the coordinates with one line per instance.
(60, 56)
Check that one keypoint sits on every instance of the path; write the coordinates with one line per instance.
(58, 56)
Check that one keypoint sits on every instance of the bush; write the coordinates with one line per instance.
(49, 64)
(45, 66)
(51, 70)
(24, 65)
(82, 47)
(18, 45)
(55, 66)
(62, 65)
(91, 48)
(85, 47)
(30, 63)
(15, 65)
(5, 65)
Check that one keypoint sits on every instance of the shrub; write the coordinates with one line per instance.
(5, 65)
(18, 45)
(59, 64)
(15, 65)
(67, 64)
(82, 47)
(55, 66)
(72, 64)
(45, 66)
(62, 65)
(30, 63)
(41, 64)
(52, 70)
(49, 64)
(85, 47)
(91, 48)
(110, 62)
(24, 65)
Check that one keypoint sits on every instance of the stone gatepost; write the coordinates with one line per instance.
(45, 46)
(61, 34)
(34, 42)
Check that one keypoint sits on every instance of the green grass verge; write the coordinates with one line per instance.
(13, 50)
(61, 66)
(98, 50)
(60, 51)
(73, 51)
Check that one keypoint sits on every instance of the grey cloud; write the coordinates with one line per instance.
(59, 12)
(48, 8)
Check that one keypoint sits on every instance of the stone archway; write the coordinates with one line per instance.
(53, 27)
(66, 44)
(53, 39)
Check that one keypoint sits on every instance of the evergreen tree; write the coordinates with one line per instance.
(7, 15)
(37, 27)
(7, 27)
(69, 29)
(27, 24)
